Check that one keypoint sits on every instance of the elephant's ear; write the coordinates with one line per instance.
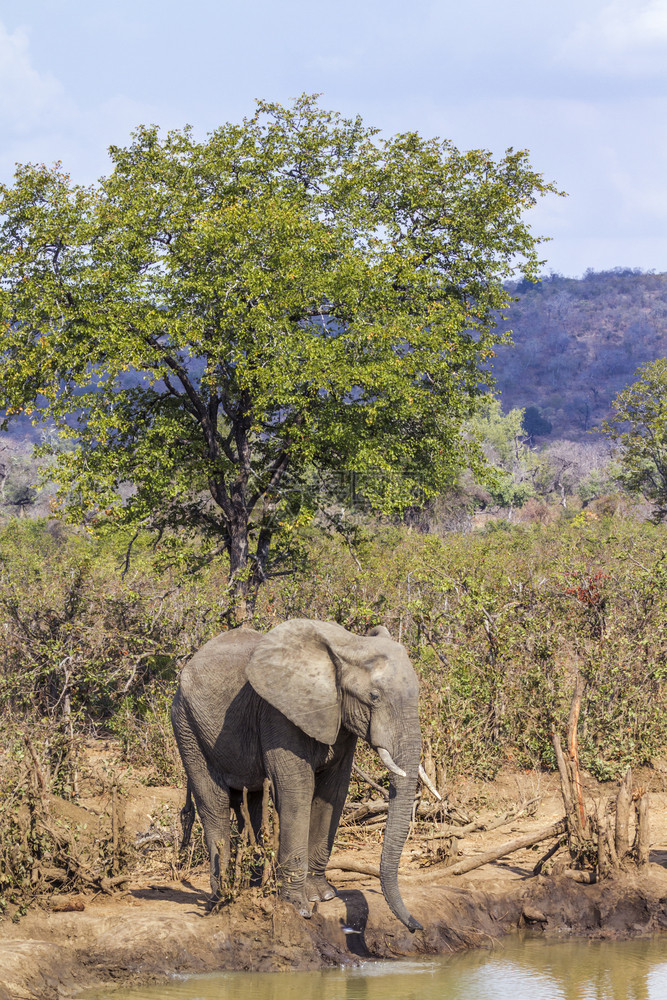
(292, 668)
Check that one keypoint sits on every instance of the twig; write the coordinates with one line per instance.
(128, 554)
(245, 812)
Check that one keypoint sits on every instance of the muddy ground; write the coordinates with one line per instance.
(159, 924)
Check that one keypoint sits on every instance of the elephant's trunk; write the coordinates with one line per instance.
(401, 800)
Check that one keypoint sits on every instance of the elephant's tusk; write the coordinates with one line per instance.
(385, 757)
(429, 784)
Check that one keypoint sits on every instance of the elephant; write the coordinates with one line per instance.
(290, 704)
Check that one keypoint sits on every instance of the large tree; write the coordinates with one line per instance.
(217, 323)
(639, 429)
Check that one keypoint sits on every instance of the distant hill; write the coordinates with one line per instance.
(577, 342)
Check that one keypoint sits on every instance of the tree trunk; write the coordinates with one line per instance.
(239, 582)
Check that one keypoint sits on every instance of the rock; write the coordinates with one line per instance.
(533, 916)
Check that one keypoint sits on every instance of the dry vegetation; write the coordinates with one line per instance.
(500, 624)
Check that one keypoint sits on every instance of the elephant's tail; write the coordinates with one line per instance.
(187, 818)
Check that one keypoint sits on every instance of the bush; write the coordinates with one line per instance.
(497, 623)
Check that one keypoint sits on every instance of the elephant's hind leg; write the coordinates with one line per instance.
(212, 800)
(209, 791)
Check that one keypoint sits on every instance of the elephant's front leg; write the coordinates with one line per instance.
(294, 794)
(331, 786)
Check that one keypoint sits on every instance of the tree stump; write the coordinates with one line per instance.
(593, 839)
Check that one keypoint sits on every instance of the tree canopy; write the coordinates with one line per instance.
(503, 441)
(639, 428)
(218, 323)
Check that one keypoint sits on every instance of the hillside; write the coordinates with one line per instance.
(577, 342)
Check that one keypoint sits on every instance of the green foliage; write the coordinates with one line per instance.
(639, 428)
(597, 483)
(504, 443)
(222, 317)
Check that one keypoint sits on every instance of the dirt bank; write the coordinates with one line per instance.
(159, 925)
(158, 930)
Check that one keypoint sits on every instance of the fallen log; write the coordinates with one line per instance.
(371, 813)
(376, 807)
(459, 867)
(343, 865)
(577, 875)
(520, 843)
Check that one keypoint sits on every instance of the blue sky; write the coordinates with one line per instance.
(582, 84)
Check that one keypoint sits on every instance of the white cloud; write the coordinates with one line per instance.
(28, 99)
(41, 122)
(623, 36)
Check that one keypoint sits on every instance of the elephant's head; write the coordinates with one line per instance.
(323, 677)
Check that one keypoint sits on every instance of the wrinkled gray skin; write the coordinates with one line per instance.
(290, 705)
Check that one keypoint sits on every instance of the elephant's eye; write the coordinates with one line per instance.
(375, 696)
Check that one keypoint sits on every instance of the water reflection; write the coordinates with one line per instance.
(532, 970)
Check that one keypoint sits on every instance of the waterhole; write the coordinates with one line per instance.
(528, 970)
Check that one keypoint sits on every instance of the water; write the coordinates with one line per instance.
(530, 970)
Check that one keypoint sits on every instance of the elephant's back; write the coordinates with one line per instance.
(220, 664)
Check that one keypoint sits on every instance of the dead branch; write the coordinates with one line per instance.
(369, 781)
(577, 875)
(623, 801)
(605, 861)
(343, 865)
(565, 788)
(553, 850)
(371, 815)
(39, 775)
(460, 867)
(367, 809)
(643, 833)
(245, 813)
(520, 843)
(573, 750)
(265, 830)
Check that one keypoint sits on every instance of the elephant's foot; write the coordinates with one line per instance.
(292, 890)
(317, 888)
